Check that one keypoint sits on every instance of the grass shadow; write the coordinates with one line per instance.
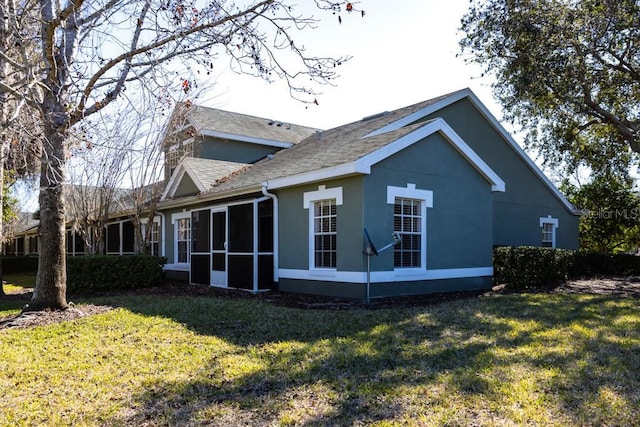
(546, 359)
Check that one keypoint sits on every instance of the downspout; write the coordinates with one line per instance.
(276, 261)
(163, 224)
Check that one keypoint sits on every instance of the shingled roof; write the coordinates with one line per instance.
(327, 149)
(208, 121)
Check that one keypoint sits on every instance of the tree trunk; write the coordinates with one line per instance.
(3, 144)
(1, 212)
(51, 282)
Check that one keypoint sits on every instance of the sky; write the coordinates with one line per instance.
(403, 52)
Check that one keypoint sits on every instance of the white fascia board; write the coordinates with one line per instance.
(245, 138)
(494, 122)
(318, 175)
(208, 197)
(175, 179)
(437, 125)
(407, 120)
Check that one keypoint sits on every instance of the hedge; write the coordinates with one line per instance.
(527, 266)
(19, 264)
(103, 272)
(590, 264)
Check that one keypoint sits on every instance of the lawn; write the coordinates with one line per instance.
(534, 359)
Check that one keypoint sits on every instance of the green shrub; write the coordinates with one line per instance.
(19, 264)
(528, 266)
(590, 264)
(102, 272)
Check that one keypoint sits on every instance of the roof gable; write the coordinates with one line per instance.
(447, 100)
(201, 173)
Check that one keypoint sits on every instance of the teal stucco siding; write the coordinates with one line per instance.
(233, 151)
(459, 225)
(517, 211)
(294, 225)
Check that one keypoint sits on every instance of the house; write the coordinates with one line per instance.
(255, 203)
(443, 174)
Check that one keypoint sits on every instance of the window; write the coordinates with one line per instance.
(323, 228)
(183, 239)
(324, 233)
(407, 221)
(548, 226)
(154, 239)
(410, 221)
(33, 244)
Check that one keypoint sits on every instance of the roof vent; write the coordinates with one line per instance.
(279, 124)
(270, 122)
(375, 116)
(318, 134)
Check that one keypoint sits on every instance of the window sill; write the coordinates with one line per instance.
(324, 272)
(409, 271)
(178, 267)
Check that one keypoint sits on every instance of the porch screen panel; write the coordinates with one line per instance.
(241, 228)
(79, 244)
(265, 226)
(69, 241)
(219, 232)
(265, 271)
(113, 238)
(128, 237)
(20, 246)
(241, 271)
(200, 231)
(200, 269)
(218, 239)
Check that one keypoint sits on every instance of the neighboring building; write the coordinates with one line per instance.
(253, 203)
(23, 230)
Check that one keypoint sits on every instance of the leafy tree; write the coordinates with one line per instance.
(92, 55)
(611, 213)
(567, 71)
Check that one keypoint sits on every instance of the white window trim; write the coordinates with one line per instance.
(426, 198)
(309, 198)
(553, 221)
(174, 219)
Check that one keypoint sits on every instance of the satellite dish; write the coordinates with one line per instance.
(371, 248)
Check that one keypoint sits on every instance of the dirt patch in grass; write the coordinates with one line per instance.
(47, 317)
(619, 286)
(615, 286)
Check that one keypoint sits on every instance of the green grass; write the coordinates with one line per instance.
(163, 360)
(15, 283)
(18, 281)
